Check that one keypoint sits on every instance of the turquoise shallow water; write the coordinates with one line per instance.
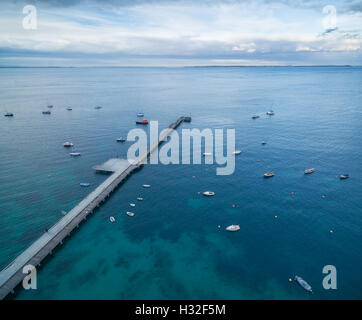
(172, 249)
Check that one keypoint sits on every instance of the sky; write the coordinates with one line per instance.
(180, 33)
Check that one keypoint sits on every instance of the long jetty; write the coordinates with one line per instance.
(13, 274)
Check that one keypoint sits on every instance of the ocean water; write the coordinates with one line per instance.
(172, 248)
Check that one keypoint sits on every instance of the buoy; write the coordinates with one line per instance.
(292, 192)
(331, 231)
(193, 176)
(323, 196)
(290, 280)
(233, 205)
(218, 226)
(276, 217)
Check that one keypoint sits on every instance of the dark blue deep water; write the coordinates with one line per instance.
(172, 248)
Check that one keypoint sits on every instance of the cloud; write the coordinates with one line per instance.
(274, 31)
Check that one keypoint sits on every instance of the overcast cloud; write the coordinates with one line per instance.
(181, 32)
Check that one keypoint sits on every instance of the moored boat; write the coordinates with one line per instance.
(75, 154)
(255, 116)
(268, 174)
(121, 139)
(207, 154)
(236, 152)
(233, 227)
(308, 171)
(140, 114)
(68, 144)
(144, 121)
(130, 214)
(8, 114)
(69, 109)
(112, 219)
(270, 113)
(146, 186)
(98, 107)
(304, 284)
(208, 193)
(263, 142)
(46, 112)
(84, 184)
(344, 176)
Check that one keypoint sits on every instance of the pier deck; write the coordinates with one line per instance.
(13, 274)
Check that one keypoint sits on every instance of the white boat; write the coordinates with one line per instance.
(308, 171)
(207, 154)
(208, 193)
(146, 186)
(237, 152)
(132, 204)
(304, 284)
(68, 144)
(75, 154)
(121, 139)
(140, 114)
(130, 214)
(263, 142)
(112, 219)
(270, 113)
(233, 227)
(140, 199)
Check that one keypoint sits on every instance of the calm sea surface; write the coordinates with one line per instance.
(172, 248)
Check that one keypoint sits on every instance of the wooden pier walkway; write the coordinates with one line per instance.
(13, 274)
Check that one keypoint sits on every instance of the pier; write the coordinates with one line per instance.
(120, 169)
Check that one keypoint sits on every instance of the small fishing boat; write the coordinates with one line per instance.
(207, 154)
(255, 116)
(306, 286)
(308, 171)
(140, 199)
(50, 106)
(84, 184)
(146, 186)
(263, 142)
(98, 107)
(132, 204)
(233, 227)
(69, 109)
(344, 176)
(120, 139)
(75, 154)
(144, 121)
(268, 174)
(270, 113)
(208, 193)
(140, 114)
(236, 152)
(46, 112)
(68, 144)
(8, 114)
(112, 219)
(130, 214)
